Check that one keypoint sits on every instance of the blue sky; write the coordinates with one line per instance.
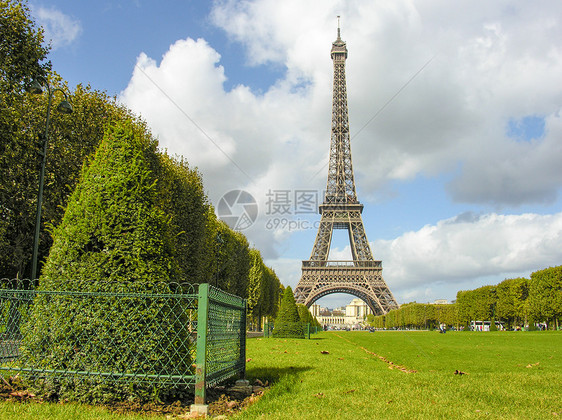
(112, 34)
(454, 114)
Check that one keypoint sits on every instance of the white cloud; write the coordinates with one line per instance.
(512, 172)
(237, 139)
(59, 28)
(452, 114)
(469, 247)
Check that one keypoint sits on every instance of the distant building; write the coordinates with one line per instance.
(352, 314)
(441, 302)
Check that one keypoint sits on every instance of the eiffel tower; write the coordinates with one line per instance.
(361, 277)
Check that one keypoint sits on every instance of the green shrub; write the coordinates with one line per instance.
(114, 236)
(288, 323)
(306, 317)
(182, 197)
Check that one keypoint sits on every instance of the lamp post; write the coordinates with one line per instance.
(63, 107)
(218, 245)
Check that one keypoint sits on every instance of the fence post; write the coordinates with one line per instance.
(243, 341)
(308, 331)
(201, 357)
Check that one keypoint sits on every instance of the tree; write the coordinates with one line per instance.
(287, 323)
(378, 322)
(263, 289)
(21, 48)
(446, 314)
(477, 304)
(21, 53)
(256, 287)
(511, 295)
(417, 315)
(545, 295)
(272, 293)
(233, 262)
(226, 257)
(306, 317)
(72, 139)
(183, 198)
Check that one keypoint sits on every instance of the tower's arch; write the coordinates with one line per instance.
(370, 300)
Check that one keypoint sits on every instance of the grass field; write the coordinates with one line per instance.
(507, 375)
(361, 375)
(49, 411)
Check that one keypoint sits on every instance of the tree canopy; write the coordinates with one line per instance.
(517, 302)
(72, 140)
(22, 53)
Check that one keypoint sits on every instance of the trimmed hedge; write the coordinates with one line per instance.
(306, 317)
(288, 323)
(116, 231)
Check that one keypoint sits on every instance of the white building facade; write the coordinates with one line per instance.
(354, 314)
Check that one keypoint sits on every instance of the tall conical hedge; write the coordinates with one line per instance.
(114, 237)
(183, 200)
(288, 311)
(114, 229)
(287, 323)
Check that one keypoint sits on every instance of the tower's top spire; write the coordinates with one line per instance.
(338, 46)
(339, 34)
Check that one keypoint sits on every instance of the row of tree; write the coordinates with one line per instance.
(120, 207)
(72, 138)
(123, 230)
(416, 316)
(513, 302)
(516, 302)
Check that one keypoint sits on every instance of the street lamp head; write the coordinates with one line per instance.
(64, 107)
(35, 88)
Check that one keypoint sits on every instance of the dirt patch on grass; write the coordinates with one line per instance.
(12, 389)
(391, 364)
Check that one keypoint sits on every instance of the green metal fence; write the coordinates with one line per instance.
(177, 335)
(221, 344)
(289, 330)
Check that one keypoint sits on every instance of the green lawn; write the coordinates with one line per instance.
(508, 375)
(511, 375)
(40, 411)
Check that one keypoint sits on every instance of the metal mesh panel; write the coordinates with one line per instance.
(110, 337)
(226, 339)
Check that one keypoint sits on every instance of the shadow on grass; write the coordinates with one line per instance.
(292, 338)
(275, 374)
(281, 380)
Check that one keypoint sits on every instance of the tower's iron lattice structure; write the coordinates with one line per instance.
(362, 276)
